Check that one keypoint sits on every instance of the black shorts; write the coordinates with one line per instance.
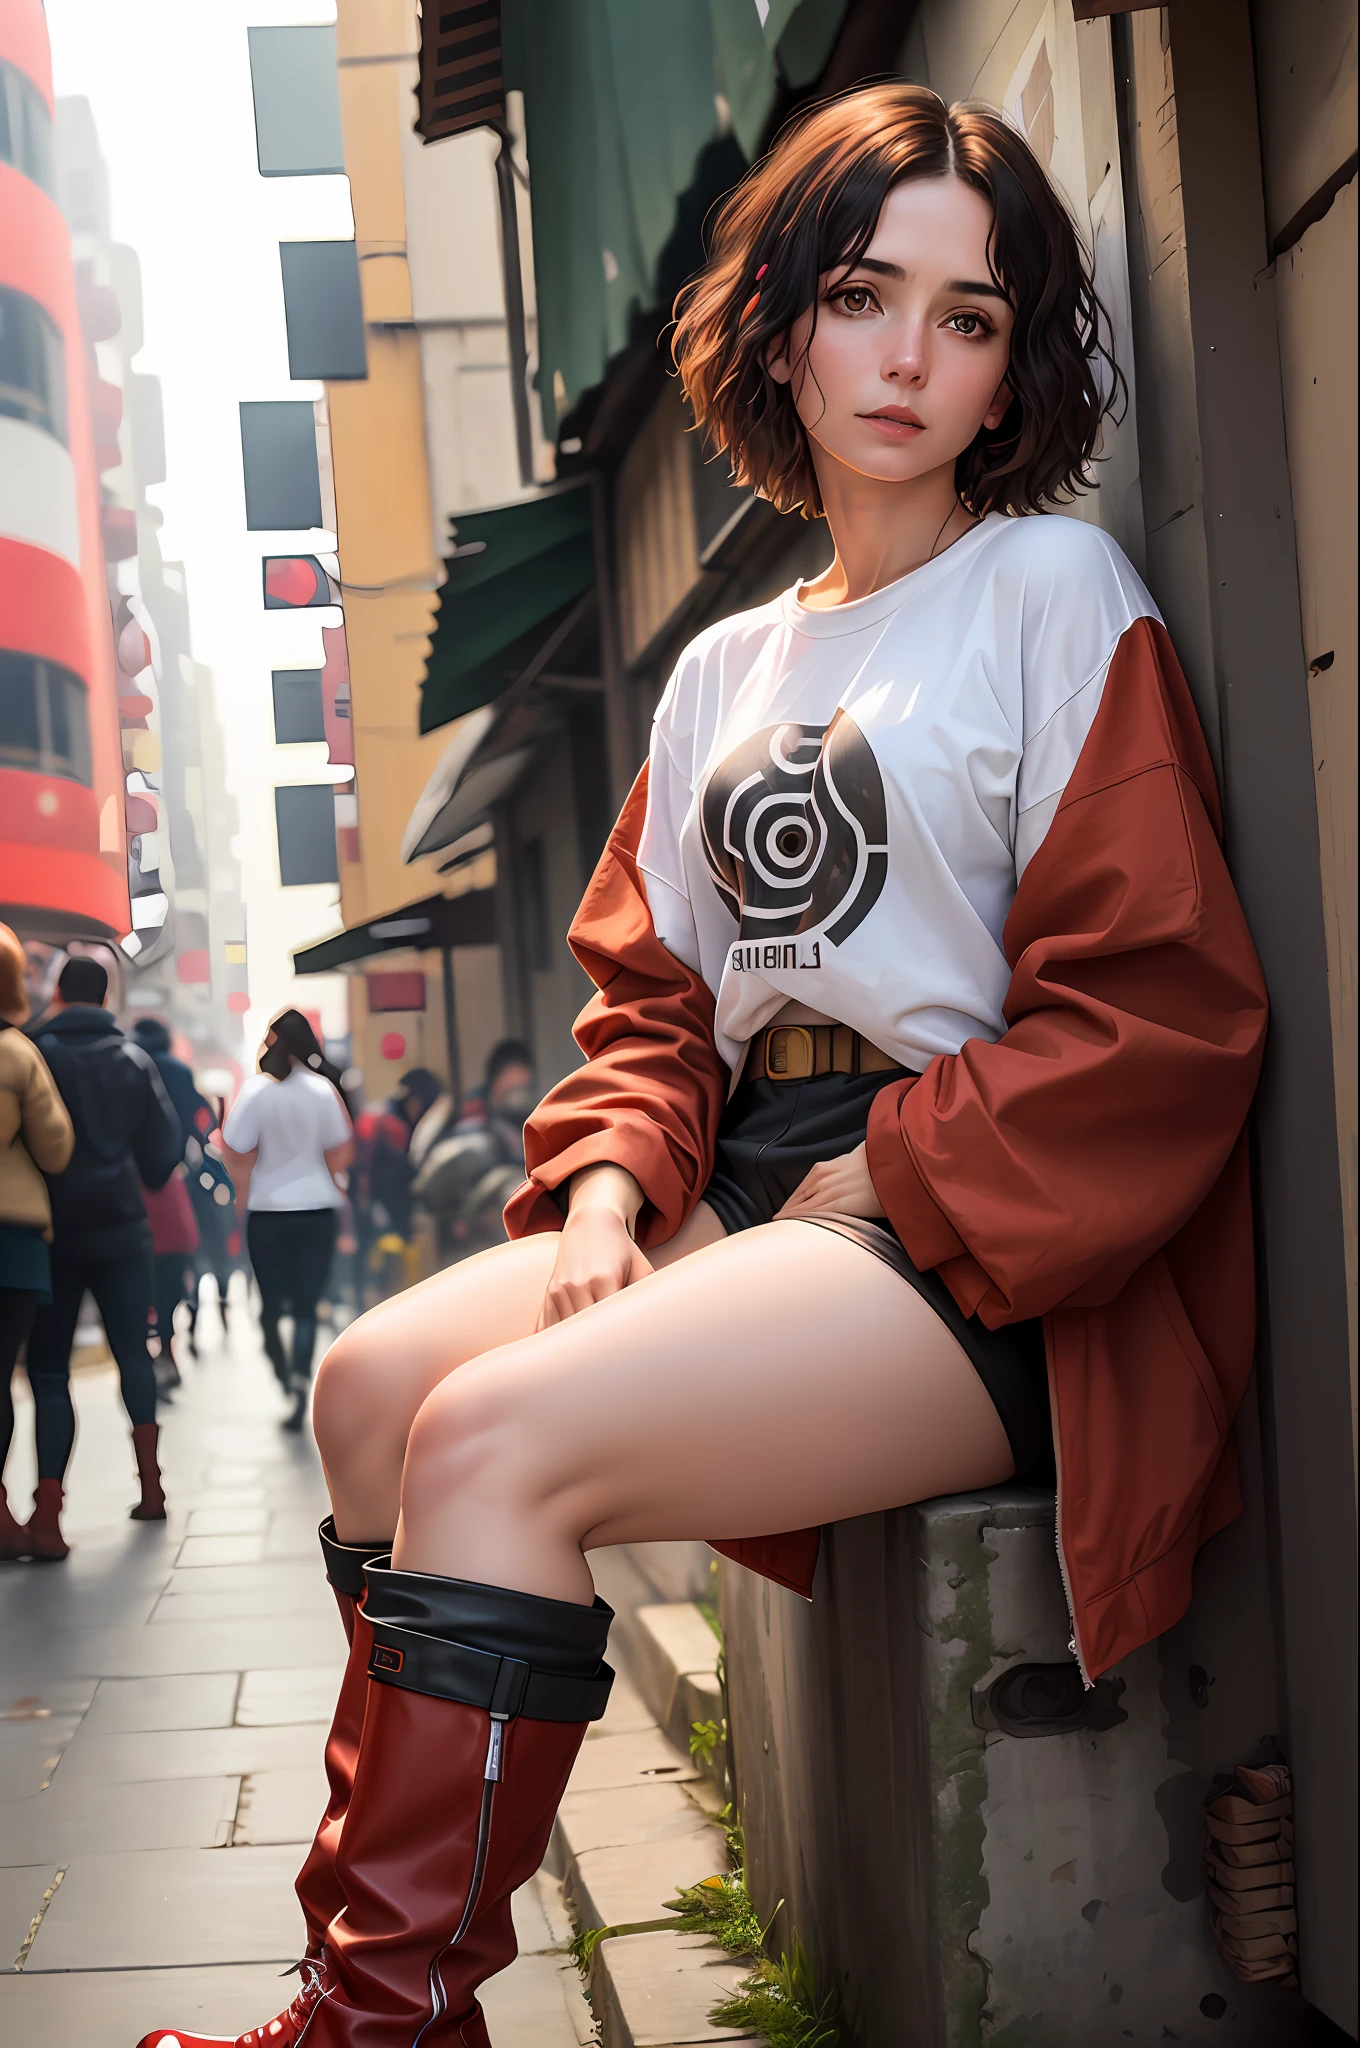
(772, 1133)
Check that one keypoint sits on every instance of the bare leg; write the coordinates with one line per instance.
(374, 1378)
(840, 1392)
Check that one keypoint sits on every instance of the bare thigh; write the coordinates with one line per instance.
(375, 1376)
(778, 1379)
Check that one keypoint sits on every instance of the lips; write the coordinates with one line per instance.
(893, 423)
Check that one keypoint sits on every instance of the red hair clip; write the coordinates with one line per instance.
(754, 299)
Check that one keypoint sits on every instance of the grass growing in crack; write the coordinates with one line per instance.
(721, 1908)
(783, 2002)
(704, 1737)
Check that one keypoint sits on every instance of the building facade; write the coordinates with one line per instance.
(181, 953)
(63, 850)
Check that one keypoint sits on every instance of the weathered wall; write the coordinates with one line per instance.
(962, 1885)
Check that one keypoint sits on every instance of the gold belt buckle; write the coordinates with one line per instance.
(790, 1053)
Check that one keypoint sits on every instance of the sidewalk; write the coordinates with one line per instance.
(162, 1715)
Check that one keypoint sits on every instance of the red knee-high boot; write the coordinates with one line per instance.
(479, 1703)
(318, 1889)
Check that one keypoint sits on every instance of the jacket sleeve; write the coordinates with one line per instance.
(158, 1145)
(48, 1133)
(1048, 1166)
(653, 1086)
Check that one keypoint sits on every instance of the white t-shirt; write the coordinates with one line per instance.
(294, 1123)
(841, 802)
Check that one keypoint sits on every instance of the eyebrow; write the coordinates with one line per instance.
(957, 287)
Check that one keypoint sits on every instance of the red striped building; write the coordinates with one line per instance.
(63, 856)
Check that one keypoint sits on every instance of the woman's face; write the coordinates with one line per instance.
(908, 358)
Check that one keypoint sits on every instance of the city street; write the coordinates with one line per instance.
(165, 1697)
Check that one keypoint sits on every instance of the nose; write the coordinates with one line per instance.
(905, 360)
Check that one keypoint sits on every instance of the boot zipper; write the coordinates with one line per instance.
(491, 1777)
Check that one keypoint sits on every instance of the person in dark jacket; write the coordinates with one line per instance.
(127, 1134)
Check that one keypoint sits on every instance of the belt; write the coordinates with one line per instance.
(802, 1052)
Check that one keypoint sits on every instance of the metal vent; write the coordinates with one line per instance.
(461, 85)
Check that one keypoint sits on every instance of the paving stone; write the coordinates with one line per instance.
(227, 1521)
(59, 1696)
(281, 1806)
(232, 1473)
(272, 1699)
(624, 1853)
(30, 1751)
(526, 2005)
(154, 1909)
(200, 1550)
(626, 1713)
(95, 1819)
(292, 1534)
(239, 1644)
(657, 1990)
(21, 1891)
(670, 1643)
(639, 1758)
(205, 1699)
(142, 1757)
(300, 1581)
(113, 2008)
(617, 1887)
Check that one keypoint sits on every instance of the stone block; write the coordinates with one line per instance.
(657, 1990)
(271, 1699)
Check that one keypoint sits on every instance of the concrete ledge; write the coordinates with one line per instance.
(657, 1990)
(636, 1825)
(675, 1660)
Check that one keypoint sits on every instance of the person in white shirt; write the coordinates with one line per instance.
(286, 1140)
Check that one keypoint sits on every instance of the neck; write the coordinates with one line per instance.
(881, 530)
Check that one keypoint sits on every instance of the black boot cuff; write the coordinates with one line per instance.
(488, 1646)
(345, 1562)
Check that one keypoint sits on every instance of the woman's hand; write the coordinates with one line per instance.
(839, 1187)
(596, 1255)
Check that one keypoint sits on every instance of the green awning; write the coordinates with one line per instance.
(622, 100)
(512, 569)
(424, 927)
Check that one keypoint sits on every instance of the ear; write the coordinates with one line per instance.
(777, 362)
(999, 407)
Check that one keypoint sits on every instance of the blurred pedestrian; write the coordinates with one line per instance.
(286, 1139)
(126, 1136)
(380, 1185)
(174, 1241)
(208, 1191)
(35, 1138)
(466, 1165)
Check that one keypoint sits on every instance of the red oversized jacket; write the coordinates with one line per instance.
(1089, 1167)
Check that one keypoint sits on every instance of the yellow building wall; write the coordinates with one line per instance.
(384, 525)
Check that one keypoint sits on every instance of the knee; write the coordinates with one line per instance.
(476, 1432)
(349, 1406)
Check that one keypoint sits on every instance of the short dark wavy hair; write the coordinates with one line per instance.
(811, 207)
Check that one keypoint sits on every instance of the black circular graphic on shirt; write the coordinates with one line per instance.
(795, 830)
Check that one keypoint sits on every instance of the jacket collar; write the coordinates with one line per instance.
(82, 1020)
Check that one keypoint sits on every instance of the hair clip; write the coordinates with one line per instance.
(761, 272)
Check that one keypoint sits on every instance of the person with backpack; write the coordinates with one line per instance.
(127, 1136)
(35, 1138)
